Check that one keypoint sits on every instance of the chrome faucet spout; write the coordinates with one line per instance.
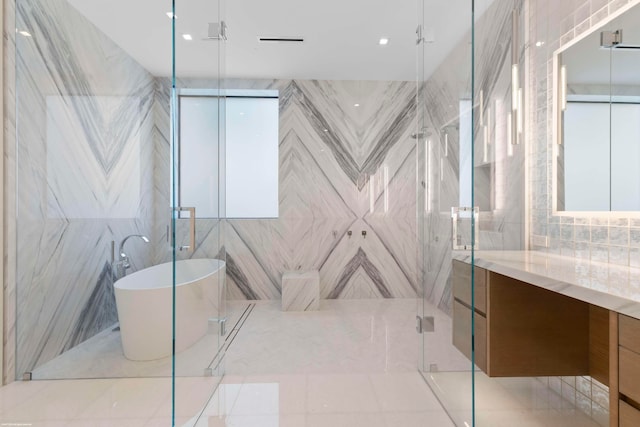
(123, 259)
(121, 247)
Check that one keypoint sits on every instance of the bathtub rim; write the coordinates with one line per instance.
(117, 285)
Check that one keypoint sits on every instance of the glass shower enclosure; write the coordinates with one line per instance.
(445, 216)
(470, 156)
(119, 269)
(197, 100)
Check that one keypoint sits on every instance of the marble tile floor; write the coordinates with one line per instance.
(506, 402)
(101, 357)
(343, 336)
(352, 363)
(373, 338)
(123, 402)
(400, 399)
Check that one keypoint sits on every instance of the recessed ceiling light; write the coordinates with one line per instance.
(356, 105)
(383, 41)
(25, 33)
(171, 15)
(187, 37)
(540, 43)
(326, 130)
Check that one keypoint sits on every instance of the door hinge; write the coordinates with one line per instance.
(217, 31)
(425, 324)
(610, 39)
(221, 328)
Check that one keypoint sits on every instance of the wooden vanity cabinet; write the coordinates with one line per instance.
(625, 392)
(521, 329)
(461, 283)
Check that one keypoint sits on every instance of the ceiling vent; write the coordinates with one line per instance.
(280, 39)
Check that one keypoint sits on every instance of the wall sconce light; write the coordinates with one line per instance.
(516, 120)
(427, 166)
(520, 118)
(515, 83)
(563, 88)
(487, 136)
(481, 107)
(372, 193)
(510, 134)
(446, 144)
(386, 188)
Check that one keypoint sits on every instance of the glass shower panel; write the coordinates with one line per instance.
(445, 203)
(99, 218)
(85, 213)
(421, 196)
(471, 139)
(195, 159)
(499, 171)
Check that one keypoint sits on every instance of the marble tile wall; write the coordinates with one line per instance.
(325, 176)
(341, 168)
(9, 134)
(83, 103)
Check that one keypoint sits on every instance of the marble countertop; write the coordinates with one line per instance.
(606, 285)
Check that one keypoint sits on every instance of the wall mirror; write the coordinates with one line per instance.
(597, 107)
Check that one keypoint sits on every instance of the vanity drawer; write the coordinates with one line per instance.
(461, 278)
(629, 416)
(629, 332)
(629, 379)
(462, 334)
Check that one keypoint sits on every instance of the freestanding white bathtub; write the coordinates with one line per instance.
(144, 303)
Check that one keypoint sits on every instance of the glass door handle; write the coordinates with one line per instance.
(191, 247)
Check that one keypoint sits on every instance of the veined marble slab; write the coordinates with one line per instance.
(83, 176)
(609, 286)
(341, 168)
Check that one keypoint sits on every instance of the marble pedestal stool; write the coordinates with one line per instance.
(300, 290)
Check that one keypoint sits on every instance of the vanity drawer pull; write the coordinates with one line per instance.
(629, 330)
(629, 374)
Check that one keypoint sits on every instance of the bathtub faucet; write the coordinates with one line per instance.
(123, 260)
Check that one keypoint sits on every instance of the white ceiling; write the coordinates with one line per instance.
(341, 36)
